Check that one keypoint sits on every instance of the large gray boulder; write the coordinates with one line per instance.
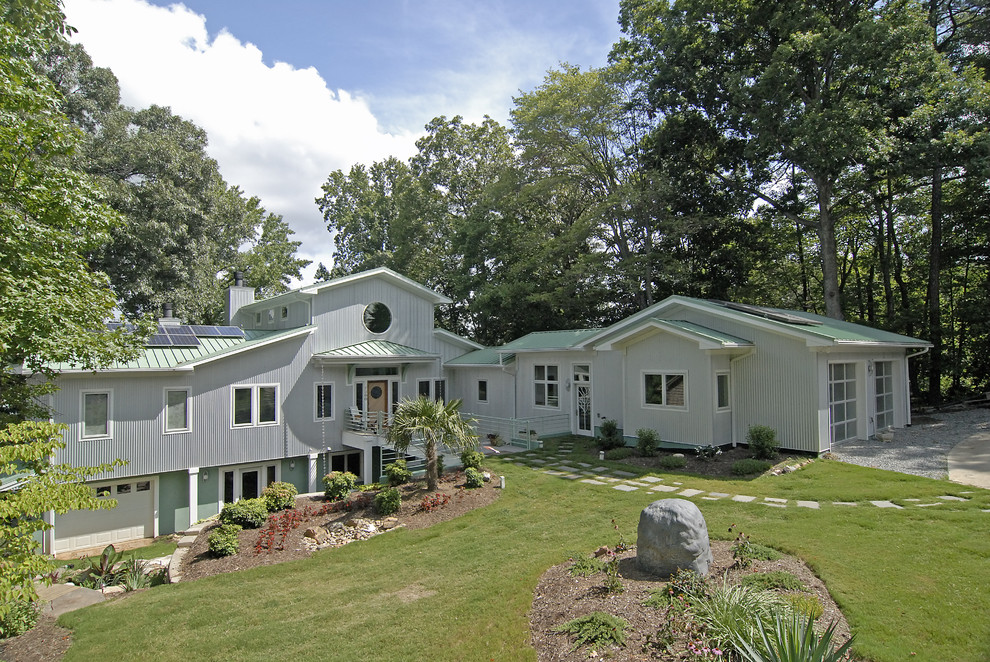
(672, 536)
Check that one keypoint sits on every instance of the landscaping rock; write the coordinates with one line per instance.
(672, 536)
(389, 523)
(317, 533)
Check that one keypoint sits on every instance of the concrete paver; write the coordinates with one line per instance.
(622, 487)
(969, 461)
(886, 504)
(742, 498)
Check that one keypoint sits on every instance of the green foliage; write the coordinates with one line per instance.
(610, 437)
(647, 441)
(745, 552)
(397, 473)
(748, 466)
(762, 441)
(279, 496)
(472, 458)
(659, 599)
(224, 541)
(103, 569)
(804, 604)
(687, 583)
(437, 424)
(133, 575)
(246, 513)
(616, 454)
(597, 630)
(612, 582)
(730, 614)
(672, 462)
(388, 501)
(19, 617)
(586, 566)
(338, 484)
(775, 580)
(708, 453)
(788, 638)
(440, 467)
(473, 478)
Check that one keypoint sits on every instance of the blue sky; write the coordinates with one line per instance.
(289, 91)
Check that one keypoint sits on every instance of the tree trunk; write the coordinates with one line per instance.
(826, 237)
(431, 464)
(934, 303)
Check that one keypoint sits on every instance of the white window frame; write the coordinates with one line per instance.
(165, 392)
(546, 382)
(485, 399)
(327, 416)
(82, 414)
(665, 374)
(255, 405)
(728, 391)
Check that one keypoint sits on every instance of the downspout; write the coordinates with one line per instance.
(732, 395)
(907, 381)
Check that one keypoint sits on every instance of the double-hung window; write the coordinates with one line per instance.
(665, 390)
(324, 402)
(254, 405)
(97, 412)
(177, 410)
(546, 386)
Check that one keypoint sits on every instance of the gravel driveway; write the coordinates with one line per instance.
(920, 449)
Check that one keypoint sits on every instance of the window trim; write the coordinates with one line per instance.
(82, 414)
(165, 391)
(255, 405)
(728, 391)
(546, 384)
(316, 400)
(483, 400)
(664, 374)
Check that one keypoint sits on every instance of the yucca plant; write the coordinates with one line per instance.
(794, 640)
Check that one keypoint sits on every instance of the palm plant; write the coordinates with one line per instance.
(436, 424)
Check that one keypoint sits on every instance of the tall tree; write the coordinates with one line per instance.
(51, 302)
(775, 86)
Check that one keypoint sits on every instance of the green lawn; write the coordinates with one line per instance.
(909, 581)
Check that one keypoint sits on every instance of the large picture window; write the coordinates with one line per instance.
(254, 405)
(665, 390)
(546, 386)
(177, 410)
(96, 415)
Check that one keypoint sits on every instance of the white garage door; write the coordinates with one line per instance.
(133, 518)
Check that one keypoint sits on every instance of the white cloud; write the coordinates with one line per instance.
(276, 131)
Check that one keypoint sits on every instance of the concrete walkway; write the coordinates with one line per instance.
(60, 598)
(969, 461)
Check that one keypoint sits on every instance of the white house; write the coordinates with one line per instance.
(301, 384)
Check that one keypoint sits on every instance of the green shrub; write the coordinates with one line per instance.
(586, 566)
(473, 478)
(102, 570)
(687, 583)
(471, 458)
(805, 604)
(762, 442)
(388, 501)
(647, 441)
(440, 467)
(279, 496)
(610, 435)
(776, 580)
(672, 462)
(21, 616)
(708, 453)
(338, 484)
(659, 599)
(750, 466)
(597, 630)
(398, 473)
(223, 540)
(619, 453)
(745, 552)
(246, 513)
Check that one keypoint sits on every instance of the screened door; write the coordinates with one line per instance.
(883, 381)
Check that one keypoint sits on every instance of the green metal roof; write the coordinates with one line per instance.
(838, 331)
(170, 358)
(483, 357)
(376, 349)
(549, 340)
(725, 339)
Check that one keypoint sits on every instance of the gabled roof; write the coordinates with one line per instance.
(186, 358)
(381, 273)
(380, 350)
(815, 330)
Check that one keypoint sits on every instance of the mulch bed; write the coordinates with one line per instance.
(560, 598)
(720, 467)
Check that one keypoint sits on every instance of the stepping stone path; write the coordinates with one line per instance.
(626, 481)
(565, 447)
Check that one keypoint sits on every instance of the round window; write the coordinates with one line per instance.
(376, 392)
(377, 317)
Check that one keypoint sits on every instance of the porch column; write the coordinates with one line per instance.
(193, 495)
(366, 466)
(314, 484)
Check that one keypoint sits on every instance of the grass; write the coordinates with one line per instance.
(461, 590)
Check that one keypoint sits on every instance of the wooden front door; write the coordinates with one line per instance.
(378, 397)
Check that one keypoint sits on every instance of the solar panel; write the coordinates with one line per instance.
(181, 330)
(187, 340)
(158, 340)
